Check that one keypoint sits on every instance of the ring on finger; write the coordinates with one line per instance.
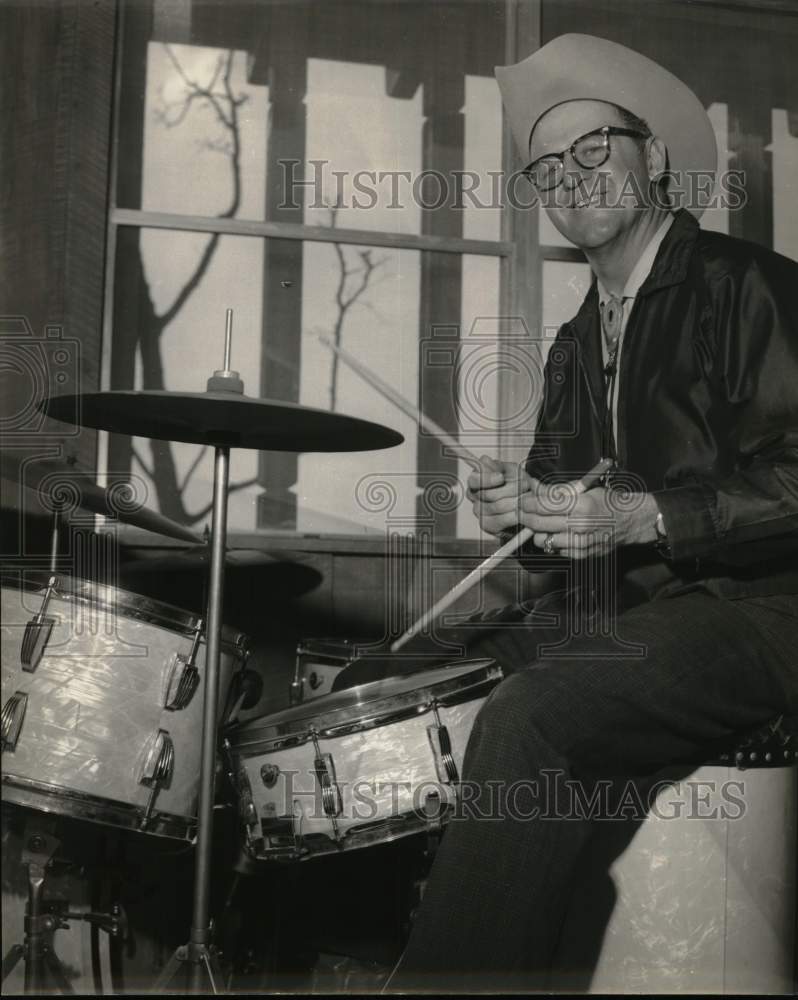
(548, 545)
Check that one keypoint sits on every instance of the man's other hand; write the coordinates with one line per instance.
(494, 490)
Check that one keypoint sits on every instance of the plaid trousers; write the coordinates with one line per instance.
(675, 676)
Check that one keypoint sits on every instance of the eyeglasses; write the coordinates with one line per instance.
(588, 151)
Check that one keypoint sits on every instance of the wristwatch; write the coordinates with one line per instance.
(661, 544)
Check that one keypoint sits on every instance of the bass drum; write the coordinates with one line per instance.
(359, 767)
(102, 695)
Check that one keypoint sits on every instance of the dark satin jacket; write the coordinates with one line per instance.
(707, 415)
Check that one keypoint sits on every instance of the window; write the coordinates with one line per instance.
(328, 169)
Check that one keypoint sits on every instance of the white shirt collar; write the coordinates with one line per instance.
(642, 268)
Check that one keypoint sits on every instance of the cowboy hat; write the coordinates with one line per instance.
(583, 67)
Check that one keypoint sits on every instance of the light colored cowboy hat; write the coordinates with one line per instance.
(583, 67)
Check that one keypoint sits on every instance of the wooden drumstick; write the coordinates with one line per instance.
(403, 404)
(493, 560)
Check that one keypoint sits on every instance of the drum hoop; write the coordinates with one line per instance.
(57, 799)
(105, 597)
(249, 739)
(383, 831)
(320, 650)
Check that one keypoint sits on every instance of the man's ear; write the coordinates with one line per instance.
(656, 158)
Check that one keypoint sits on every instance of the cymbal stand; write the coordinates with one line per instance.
(199, 952)
(54, 533)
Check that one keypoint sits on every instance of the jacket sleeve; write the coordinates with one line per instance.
(737, 518)
(539, 463)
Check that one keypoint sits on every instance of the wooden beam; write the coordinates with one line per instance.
(321, 234)
(522, 274)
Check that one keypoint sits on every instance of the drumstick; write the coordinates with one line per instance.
(493, 560)
(399, 401)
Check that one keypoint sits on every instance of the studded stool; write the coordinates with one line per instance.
(702, 899)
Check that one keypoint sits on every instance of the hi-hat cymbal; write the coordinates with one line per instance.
(200, 558)
(257, 582)
(224, 419)
(65, 487)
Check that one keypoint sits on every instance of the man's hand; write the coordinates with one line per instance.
(494, 491)
(587, 523)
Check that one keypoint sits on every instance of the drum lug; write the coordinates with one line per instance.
(441, 744)
(295, 688)
(239, 780)
(12, 718)
(324, 766)
(37, 631)
(433, 812)
(247, 810)
(157, 771)
(184, 676)
(278, 831)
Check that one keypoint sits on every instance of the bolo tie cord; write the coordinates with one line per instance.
(611, 320)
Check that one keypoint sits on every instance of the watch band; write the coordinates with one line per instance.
(662, 545)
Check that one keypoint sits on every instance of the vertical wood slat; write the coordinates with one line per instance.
(131, 310)
(57, 75)
(750, 136)
(441, 281)
(522, 273)
(88, 119)
(285, 56)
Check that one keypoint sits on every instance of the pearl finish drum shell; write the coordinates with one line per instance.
(96, 705)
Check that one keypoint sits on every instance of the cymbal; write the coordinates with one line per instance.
(200, 558)
(258, 584)
(66, 487)
(223, 419)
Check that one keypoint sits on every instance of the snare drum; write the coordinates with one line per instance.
(102, 695)
(358, 767)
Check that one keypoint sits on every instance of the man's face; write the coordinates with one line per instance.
(591, 207)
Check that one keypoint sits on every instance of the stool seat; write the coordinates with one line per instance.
(772, 745)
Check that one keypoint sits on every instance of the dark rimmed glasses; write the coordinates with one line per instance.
(589, 151)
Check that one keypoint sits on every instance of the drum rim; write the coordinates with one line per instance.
(130, 604)
(316, 845)
(257, 734)
(63, 801)
(327, 648)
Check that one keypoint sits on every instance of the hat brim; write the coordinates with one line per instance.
(576, 67)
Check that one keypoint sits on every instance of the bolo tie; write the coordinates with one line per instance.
(611, 320)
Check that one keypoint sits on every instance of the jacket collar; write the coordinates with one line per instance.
(670, 268)
(673, 258)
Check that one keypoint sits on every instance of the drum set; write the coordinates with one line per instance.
(121, 710)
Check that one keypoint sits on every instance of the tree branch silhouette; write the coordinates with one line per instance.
(344, 299)
(217, 94)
